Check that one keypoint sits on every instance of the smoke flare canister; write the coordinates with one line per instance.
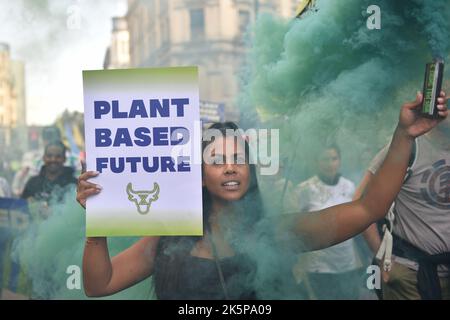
(431, 88)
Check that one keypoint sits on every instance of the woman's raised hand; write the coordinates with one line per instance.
(413, 124)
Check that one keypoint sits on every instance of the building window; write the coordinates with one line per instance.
(197, 24)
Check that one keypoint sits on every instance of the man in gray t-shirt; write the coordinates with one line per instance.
(422, 207)
(422, 212)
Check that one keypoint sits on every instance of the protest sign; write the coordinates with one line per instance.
(142, 133)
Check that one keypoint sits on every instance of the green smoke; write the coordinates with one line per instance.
(48, 247)
(434, 17)
(327, 75)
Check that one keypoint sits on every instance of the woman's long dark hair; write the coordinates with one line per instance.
(172, 251)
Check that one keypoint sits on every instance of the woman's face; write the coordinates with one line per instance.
(226, 173)
(329, 163)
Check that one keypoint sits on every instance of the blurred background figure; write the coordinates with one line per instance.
(32, 160)
(335, 272)
(5, 189)
(53, 178)
(13, 219)
(52, 182)
(29, 167)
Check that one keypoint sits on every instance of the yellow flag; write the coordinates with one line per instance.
(303, 6)
(78, 136)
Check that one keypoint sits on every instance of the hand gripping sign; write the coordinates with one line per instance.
(135, 120)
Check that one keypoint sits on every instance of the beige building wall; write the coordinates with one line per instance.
(12, 100)
(18, 75)
(118, 53)
(162, 33)
(5, 86)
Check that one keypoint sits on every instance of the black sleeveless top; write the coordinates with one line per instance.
(198, 279)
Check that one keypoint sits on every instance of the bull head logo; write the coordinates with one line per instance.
(143, 199)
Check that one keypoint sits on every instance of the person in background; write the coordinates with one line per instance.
(5, 190)
(53, 179)
(335, 272)
(32, 161)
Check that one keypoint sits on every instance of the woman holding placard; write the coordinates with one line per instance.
(224, 263)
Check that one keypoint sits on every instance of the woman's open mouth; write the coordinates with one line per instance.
(231, 185)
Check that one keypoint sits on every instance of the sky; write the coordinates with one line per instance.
(57, 39)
